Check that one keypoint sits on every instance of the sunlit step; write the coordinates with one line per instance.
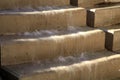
(103, 65)
(6, 4)
(52, 18)
(105, 16)
(31, 47)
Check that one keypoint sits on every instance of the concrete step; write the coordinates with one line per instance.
(103, 65)
(32, 47)
(112, 37)
(105, 16)
(6, 4)
(86, 3)
(92, 3)
(49, 18)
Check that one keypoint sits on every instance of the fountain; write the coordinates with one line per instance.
(53, 40)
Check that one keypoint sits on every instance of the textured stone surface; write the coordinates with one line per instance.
(15, 50)
(86, 3)
(102, 65)
(113, 37)
(92, 3)
(6, 4)
(106, 16)
(15, 22)
(114, 1)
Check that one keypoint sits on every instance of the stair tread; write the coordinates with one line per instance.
(103, 8)
(31, 3)
(62, 63)
(31, 10)
(95, 3)
(112, 1)
(47, 34)
(112, 28)
(108, 4)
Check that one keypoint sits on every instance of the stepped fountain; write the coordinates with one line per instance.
(60, 39)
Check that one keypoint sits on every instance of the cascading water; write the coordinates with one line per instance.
(65, 43)
(79, 67)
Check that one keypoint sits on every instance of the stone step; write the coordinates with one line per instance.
(103, 65)
(92, 3)
(58, 18)
(113, 37)
(32, 47)
(105, 16)
(86, 3)
(6, 4)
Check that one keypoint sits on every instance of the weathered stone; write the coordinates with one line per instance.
(15, 22)
(106, 16)
(103, 65)
(6, 4)
(16, 50)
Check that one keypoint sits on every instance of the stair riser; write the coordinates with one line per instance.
(6, 4)
(49, 48)
(58, 19)
(100, 17)
(113, 40)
